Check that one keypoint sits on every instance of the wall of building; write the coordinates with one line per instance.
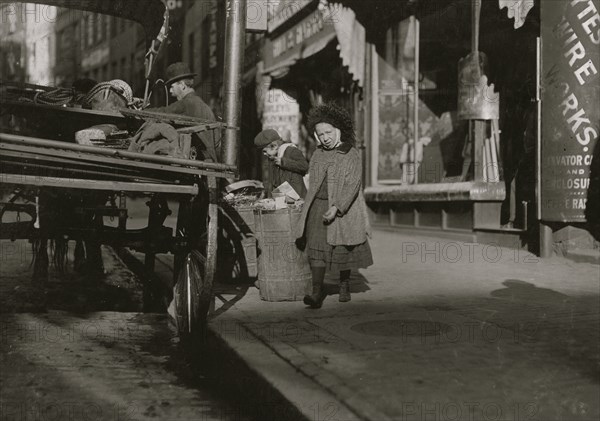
(13, 57)
(200, 47)
(40, 23)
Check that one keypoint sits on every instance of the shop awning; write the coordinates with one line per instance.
(378, 15)
(312, 34)
(351, 37)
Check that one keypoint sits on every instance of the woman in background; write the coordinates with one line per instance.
(334, 222)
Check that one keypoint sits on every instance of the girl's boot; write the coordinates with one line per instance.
(345, 287)
(315, 300)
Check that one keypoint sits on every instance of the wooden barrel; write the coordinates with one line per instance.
(283, 270)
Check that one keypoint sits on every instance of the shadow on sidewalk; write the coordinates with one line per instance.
(569, 326)
(521, 290)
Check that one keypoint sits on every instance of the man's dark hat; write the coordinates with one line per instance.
(266, 137)
(178, 71)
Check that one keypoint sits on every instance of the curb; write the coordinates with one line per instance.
(271, 387)
(584, 256)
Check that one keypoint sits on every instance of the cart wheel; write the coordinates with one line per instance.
(193, 290)
(192, 294)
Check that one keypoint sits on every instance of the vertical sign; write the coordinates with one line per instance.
(281, 113)
(570, 105)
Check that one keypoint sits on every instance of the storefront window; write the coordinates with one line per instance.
(437, 144)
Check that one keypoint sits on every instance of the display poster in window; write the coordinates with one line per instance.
(570, 105)
(281, 113)
(396, 154)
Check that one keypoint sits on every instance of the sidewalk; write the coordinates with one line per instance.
(436, 330)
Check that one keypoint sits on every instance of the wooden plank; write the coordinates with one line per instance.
(73, 165)
(111, 115)
(198, 129)
(80, 172)
(177, 119)
(31, 141)
(75, 183)
(117, 164)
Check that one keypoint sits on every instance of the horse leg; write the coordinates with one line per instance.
(40, 260)
(79, 256)
(93, 247)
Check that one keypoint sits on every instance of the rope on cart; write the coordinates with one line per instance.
(59, 96)
(118, 86)
(66, 96)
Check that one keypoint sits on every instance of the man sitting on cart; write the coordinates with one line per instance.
(180, 80)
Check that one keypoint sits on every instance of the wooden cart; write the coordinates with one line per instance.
(43, 170)
(42, 175)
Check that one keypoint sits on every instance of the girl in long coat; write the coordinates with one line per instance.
(334, 222)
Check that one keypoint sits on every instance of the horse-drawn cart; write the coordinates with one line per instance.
(61, 191)
(64, 189)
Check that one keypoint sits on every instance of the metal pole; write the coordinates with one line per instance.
(545, 232)
(374, 116)
(416, 100)
(232, 83)
(538, 108)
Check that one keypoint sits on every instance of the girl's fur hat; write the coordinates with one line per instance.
(334, 115)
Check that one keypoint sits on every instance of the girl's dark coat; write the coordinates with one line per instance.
(342, 167)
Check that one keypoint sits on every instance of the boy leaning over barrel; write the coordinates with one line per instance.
(286, 162)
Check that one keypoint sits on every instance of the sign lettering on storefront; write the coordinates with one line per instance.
(282, 11)
(570, 105)
(301, 40)
(309, 27)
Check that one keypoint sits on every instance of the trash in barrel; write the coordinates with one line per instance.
(283, 270)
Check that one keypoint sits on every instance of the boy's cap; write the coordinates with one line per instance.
(266, 137)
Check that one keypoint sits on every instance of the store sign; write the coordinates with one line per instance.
(282, 11)
(316, 26)
(570, 105)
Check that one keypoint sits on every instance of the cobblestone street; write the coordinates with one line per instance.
(77, 350)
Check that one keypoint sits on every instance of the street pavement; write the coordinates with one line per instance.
(77, 349)
(436, 330)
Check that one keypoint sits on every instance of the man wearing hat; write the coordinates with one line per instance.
(180, 80)
(286, 162)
